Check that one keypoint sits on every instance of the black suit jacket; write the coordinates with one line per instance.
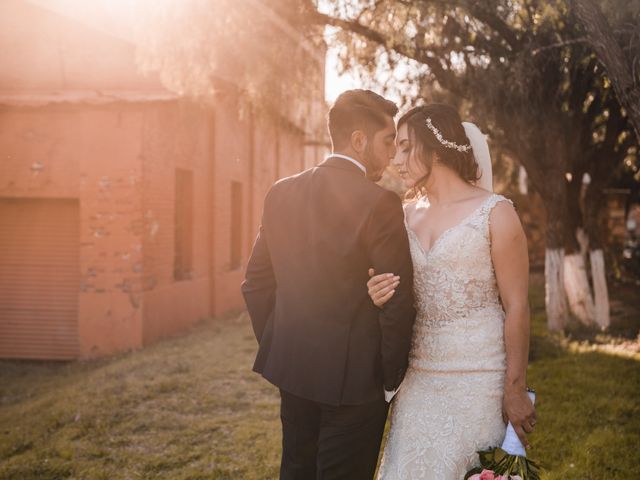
(320, 335)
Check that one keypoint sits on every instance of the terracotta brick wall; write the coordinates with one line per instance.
(90, 153)
(174, 136)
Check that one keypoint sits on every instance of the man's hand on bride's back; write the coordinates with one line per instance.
(382, 287)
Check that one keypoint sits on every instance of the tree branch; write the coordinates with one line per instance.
(477, 10)
(445, 77)
(609, 52)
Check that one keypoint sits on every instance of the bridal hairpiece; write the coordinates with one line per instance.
(446, 143)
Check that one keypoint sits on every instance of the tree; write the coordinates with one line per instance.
(512, 62)
(623, 70)
(199, 46)
(603, 140)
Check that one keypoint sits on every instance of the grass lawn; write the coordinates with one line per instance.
(190, 408)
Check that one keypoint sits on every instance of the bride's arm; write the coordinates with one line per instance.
(511, 262)
(382, 287)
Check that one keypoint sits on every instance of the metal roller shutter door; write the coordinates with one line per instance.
(39, 278)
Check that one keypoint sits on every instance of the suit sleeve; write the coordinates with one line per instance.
(388, 247)
(259, 286)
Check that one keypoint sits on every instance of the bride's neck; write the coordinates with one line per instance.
(446, 186)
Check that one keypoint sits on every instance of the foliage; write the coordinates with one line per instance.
(199, 45)
(520, 69)
(501, 463)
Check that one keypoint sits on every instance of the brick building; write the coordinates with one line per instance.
(127, 213)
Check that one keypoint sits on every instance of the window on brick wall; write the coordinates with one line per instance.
(236, 225)
(183, 240)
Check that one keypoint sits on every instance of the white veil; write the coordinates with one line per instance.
(478, 141)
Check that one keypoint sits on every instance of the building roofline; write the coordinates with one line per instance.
(90, 97)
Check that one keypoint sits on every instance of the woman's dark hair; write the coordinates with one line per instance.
(358, 110)
(424, 142)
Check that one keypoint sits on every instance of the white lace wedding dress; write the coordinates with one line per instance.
(450, 402)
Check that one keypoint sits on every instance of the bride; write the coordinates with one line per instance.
(470, 344)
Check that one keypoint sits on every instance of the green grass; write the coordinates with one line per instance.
(190, 408)
(588, 409)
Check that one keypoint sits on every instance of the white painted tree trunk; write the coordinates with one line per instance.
(555, 297)
(601, 293)
(578, 290)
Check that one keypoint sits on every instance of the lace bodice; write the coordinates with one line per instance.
(457, 297)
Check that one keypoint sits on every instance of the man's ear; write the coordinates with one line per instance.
(358, 141)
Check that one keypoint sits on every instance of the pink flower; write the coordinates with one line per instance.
(490, 475)
(487, 475)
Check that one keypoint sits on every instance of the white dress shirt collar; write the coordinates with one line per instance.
(352, 160)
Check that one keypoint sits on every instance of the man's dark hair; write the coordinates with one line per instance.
(358, 110)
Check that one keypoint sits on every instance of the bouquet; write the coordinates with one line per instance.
(508, 462)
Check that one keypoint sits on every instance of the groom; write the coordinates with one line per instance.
(331, 352)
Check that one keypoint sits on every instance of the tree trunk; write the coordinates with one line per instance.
(554, 294)
(593, 204)
(576, 280)
(583, 241)
(578, 290)
(548, 179)
(601, 292)
(610, 53)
